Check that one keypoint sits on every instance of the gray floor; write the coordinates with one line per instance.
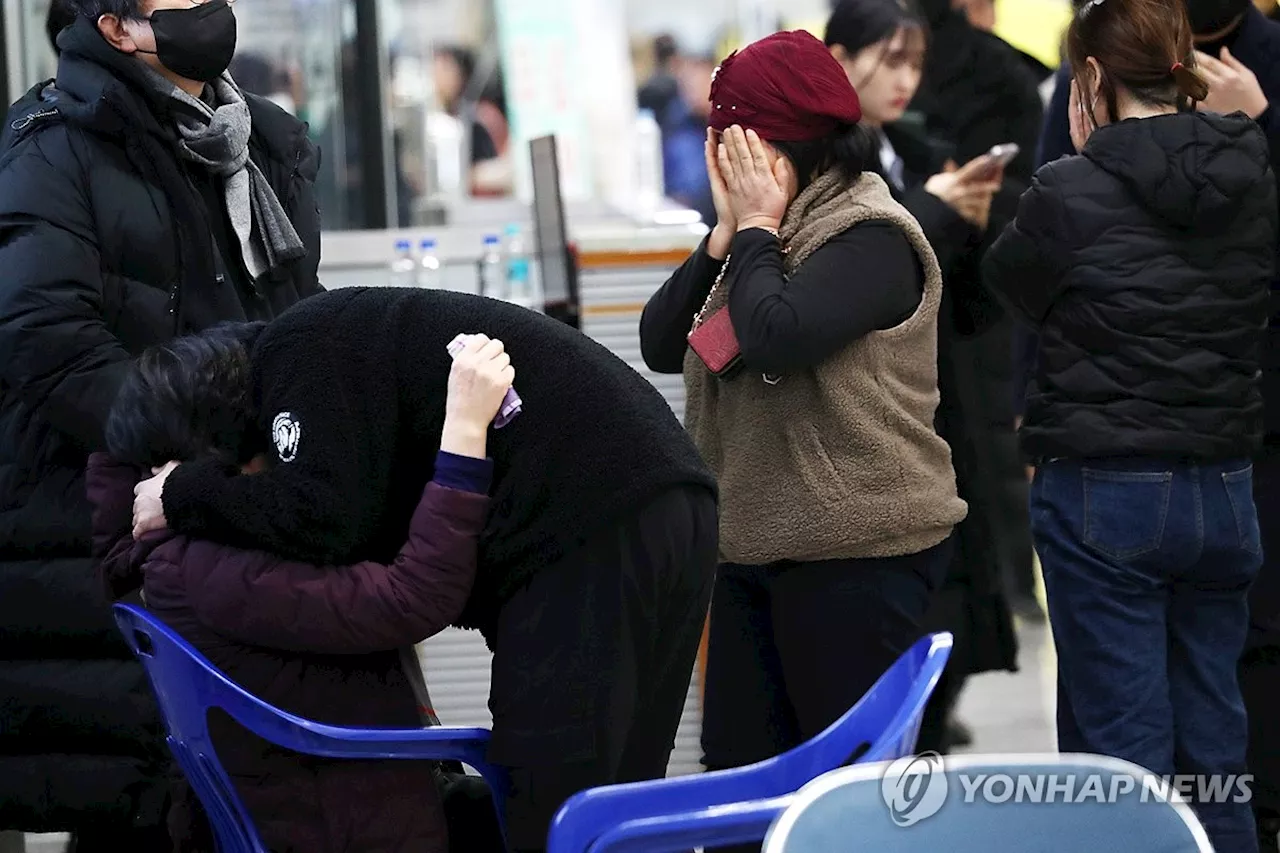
(1008, 712)
(1014, 712)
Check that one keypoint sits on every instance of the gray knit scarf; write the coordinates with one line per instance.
(217, 137)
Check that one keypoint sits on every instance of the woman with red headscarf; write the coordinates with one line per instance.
(806, 329)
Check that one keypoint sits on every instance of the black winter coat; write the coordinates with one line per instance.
(1146, 263)
(973, 604)
(361, 371)
(978, 92)
(105, 249)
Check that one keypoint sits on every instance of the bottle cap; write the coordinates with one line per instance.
(490, 239)
(403, 245)
(428, 243)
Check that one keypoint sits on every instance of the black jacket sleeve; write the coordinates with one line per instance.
(307, 218)
(1026, 266)
(865, 279)
(322, 496)
(56, 353)
(668, 316)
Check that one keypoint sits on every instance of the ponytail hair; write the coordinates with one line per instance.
(1144, 46)
(1190, 84)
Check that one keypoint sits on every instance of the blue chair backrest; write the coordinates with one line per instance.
(187, 686)
(1050, 804)
(883, 725)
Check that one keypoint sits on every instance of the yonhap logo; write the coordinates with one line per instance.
(914, 788)
(917, 787)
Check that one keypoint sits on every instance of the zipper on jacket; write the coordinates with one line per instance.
(294, 175)
(30, 118)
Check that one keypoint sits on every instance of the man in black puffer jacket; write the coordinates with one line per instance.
(112, 239)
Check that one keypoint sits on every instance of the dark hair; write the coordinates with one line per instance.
(1143, 45)
(62, 14)
(665, 48)
(856, 24)
(495, 92)
(188, 398)
(849, 149)
(464, 58)
(96, 8)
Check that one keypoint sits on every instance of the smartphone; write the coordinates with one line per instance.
(1002, 155)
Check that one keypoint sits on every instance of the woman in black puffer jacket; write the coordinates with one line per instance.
(1145, 265)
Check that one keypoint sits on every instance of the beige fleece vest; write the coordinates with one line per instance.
(840, 460)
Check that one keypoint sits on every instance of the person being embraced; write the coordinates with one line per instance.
(323, 642)
(838, 498)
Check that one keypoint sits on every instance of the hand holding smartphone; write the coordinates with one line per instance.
(969, 189)
(999, 156)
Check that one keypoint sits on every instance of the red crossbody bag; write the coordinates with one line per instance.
(712, 339)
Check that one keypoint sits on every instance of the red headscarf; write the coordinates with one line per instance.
(787, 88)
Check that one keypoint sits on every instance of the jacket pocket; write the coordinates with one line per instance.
(1239, 486)
(1125, 511)
(817, 471)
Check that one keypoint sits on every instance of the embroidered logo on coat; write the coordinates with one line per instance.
(286, 431)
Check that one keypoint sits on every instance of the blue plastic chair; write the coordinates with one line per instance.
(737, 806)
(187, 687)
(849, 810)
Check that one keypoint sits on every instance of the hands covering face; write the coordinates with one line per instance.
(753, 186)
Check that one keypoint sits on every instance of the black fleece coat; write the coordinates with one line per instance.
(106, 250)
(351, 387)
(1146, 264)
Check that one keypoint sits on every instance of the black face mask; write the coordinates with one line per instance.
(195, 43)
(1213, 16)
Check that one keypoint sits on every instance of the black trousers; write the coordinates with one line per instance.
(592, 660)
(795, 645)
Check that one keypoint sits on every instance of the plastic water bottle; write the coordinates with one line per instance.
(648, 142)
(428, 265)
(404, 268)
(520, 287)
(492, 273)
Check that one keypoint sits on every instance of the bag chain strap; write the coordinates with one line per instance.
(697, 318)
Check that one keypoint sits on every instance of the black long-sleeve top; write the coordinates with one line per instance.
(867, 278)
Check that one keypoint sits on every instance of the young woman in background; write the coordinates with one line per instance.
(882, 46)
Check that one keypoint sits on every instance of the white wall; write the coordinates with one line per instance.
(699, 23)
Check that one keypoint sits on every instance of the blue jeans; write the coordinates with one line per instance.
(1147, 565)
